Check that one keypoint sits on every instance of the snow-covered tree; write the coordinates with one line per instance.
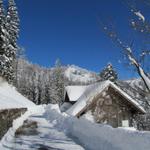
(109, 73)
(13, 23)
(4, 41)
(12, 27)
(135, 57)
(130, 56)
(41, 85)
(9, 28)
(57, 89)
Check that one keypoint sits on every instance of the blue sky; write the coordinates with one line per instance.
(68, 29)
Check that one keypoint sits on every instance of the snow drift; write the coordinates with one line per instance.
(97, 136)
(11, 98)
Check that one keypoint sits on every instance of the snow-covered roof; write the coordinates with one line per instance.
(74, 92)
(95, 89)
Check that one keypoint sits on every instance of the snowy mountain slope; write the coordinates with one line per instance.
(136, 83)
(135, 88)
(10, 98)
(79, 75)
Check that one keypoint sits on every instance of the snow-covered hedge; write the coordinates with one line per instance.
(95, 136)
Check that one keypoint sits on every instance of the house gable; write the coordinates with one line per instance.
(110, 107)
(96, 89)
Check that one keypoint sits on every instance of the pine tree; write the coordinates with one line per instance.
(13, 23)
(108, 73)
(57, 89)
(12, 27)
(9, 29)
(4, 42)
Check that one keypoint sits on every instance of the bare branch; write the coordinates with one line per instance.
(128, 52)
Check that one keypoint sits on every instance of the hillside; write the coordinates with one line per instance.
(79, 75)
(37, 83)
(10, 98)
(135, 88)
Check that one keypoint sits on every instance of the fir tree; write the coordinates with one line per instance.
(4, 42)
(57, 89)
(13, 22)
(12, 27)
(9, 29)
(108, 73)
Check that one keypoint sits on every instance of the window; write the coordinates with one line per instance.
(125, 123)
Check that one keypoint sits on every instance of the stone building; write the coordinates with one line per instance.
(104, 101)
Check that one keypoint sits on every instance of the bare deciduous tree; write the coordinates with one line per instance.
(138, 23)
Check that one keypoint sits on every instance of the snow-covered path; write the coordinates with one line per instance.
(47, 138)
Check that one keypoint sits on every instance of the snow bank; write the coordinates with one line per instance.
(10, 98)
(88, 116)
(65, 106)
(97, 136)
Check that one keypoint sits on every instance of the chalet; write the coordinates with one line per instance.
(106, 102)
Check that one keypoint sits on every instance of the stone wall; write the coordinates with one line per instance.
(111, 108)
(6, 118)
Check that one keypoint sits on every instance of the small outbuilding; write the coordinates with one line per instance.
(105, 101)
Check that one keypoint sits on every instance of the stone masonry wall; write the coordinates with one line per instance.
(6, 118)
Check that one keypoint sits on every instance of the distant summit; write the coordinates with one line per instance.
(79, 75)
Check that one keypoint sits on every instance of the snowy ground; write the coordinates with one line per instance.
(98, 136)
(55, 128)
(47, 138)
(59, 131)
(11, 98)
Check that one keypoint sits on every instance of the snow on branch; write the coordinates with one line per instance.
(147, 80)
(128, 53)
(139, 15)
(135, 11)
(145, 53)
